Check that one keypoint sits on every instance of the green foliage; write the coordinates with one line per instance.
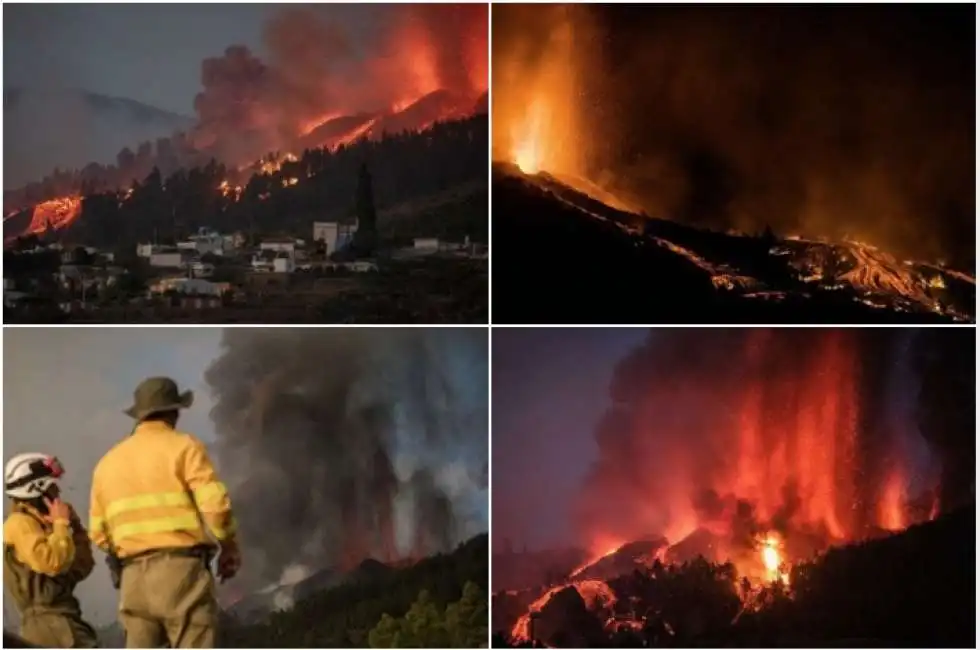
(462, 624)
(347, 615)
(466, 619)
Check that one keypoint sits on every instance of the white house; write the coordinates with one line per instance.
(326, 231)
(172, 259)
(334, 235)
(205, 241)
(282, 245)
(283, 264)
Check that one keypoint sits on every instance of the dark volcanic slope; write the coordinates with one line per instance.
(566, 258)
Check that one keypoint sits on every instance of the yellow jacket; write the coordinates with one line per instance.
(157, 489)
(48, 549)
(44, 560)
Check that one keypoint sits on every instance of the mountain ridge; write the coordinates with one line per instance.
(48, 128)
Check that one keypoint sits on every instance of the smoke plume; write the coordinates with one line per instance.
(742, 431)
(340, 445)
(816, 120)
(316, 71)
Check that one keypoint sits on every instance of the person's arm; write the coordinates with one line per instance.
(84, 562)
(210, 494)
(51, 553)
(96, 516)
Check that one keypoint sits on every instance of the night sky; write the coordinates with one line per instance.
(148, 52)
(834, 120)
(549, 389)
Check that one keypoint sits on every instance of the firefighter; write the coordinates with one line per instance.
(46, 553)
(159, 512)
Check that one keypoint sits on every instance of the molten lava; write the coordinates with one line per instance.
(593, 592)
(772, 559)
(585, 565)
(54, 214)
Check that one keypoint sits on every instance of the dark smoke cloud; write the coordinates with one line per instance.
(316, 69)
(820, 120)
(345, 444)
(945, 360)
(830, 425)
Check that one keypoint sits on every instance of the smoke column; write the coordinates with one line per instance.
(340, 445)
(765, 429)
(816, 120)
(317, 71)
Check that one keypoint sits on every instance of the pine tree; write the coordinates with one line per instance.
(466, 619)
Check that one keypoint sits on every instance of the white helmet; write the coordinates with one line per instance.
(28, 476)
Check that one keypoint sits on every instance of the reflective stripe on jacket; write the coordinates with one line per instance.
(157, 489)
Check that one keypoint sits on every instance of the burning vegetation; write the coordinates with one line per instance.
(747, 118)
(729, 460)
(320, 88)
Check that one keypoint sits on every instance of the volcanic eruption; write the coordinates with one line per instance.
(784, 162)
(714, 116)
(764, 447)
(349, 445)
(321, 85)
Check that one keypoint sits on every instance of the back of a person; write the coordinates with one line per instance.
(142, 476)
(151, 518)
(161, 513)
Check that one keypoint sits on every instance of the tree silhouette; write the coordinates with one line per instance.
(366, 238)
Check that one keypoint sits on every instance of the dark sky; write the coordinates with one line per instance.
(549, 389)
(148, 52)
(834, 120)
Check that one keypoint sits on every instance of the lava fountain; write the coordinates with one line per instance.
(768, 440)
(537, 95)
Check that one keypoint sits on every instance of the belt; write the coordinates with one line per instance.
(48, 610)
(204, 552)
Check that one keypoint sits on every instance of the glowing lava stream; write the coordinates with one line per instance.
(595, 559)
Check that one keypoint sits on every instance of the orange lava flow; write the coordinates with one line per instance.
(606, 553)
(591, 591)
(55, 214)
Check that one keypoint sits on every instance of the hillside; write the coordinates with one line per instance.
(66, 128)
(910, 589)
(573, 258)
(417, 173)
(344, 615)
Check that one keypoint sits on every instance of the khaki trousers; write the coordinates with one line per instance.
(57, 630)
(168, 600)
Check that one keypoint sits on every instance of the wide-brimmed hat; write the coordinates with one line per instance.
(157, 395)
